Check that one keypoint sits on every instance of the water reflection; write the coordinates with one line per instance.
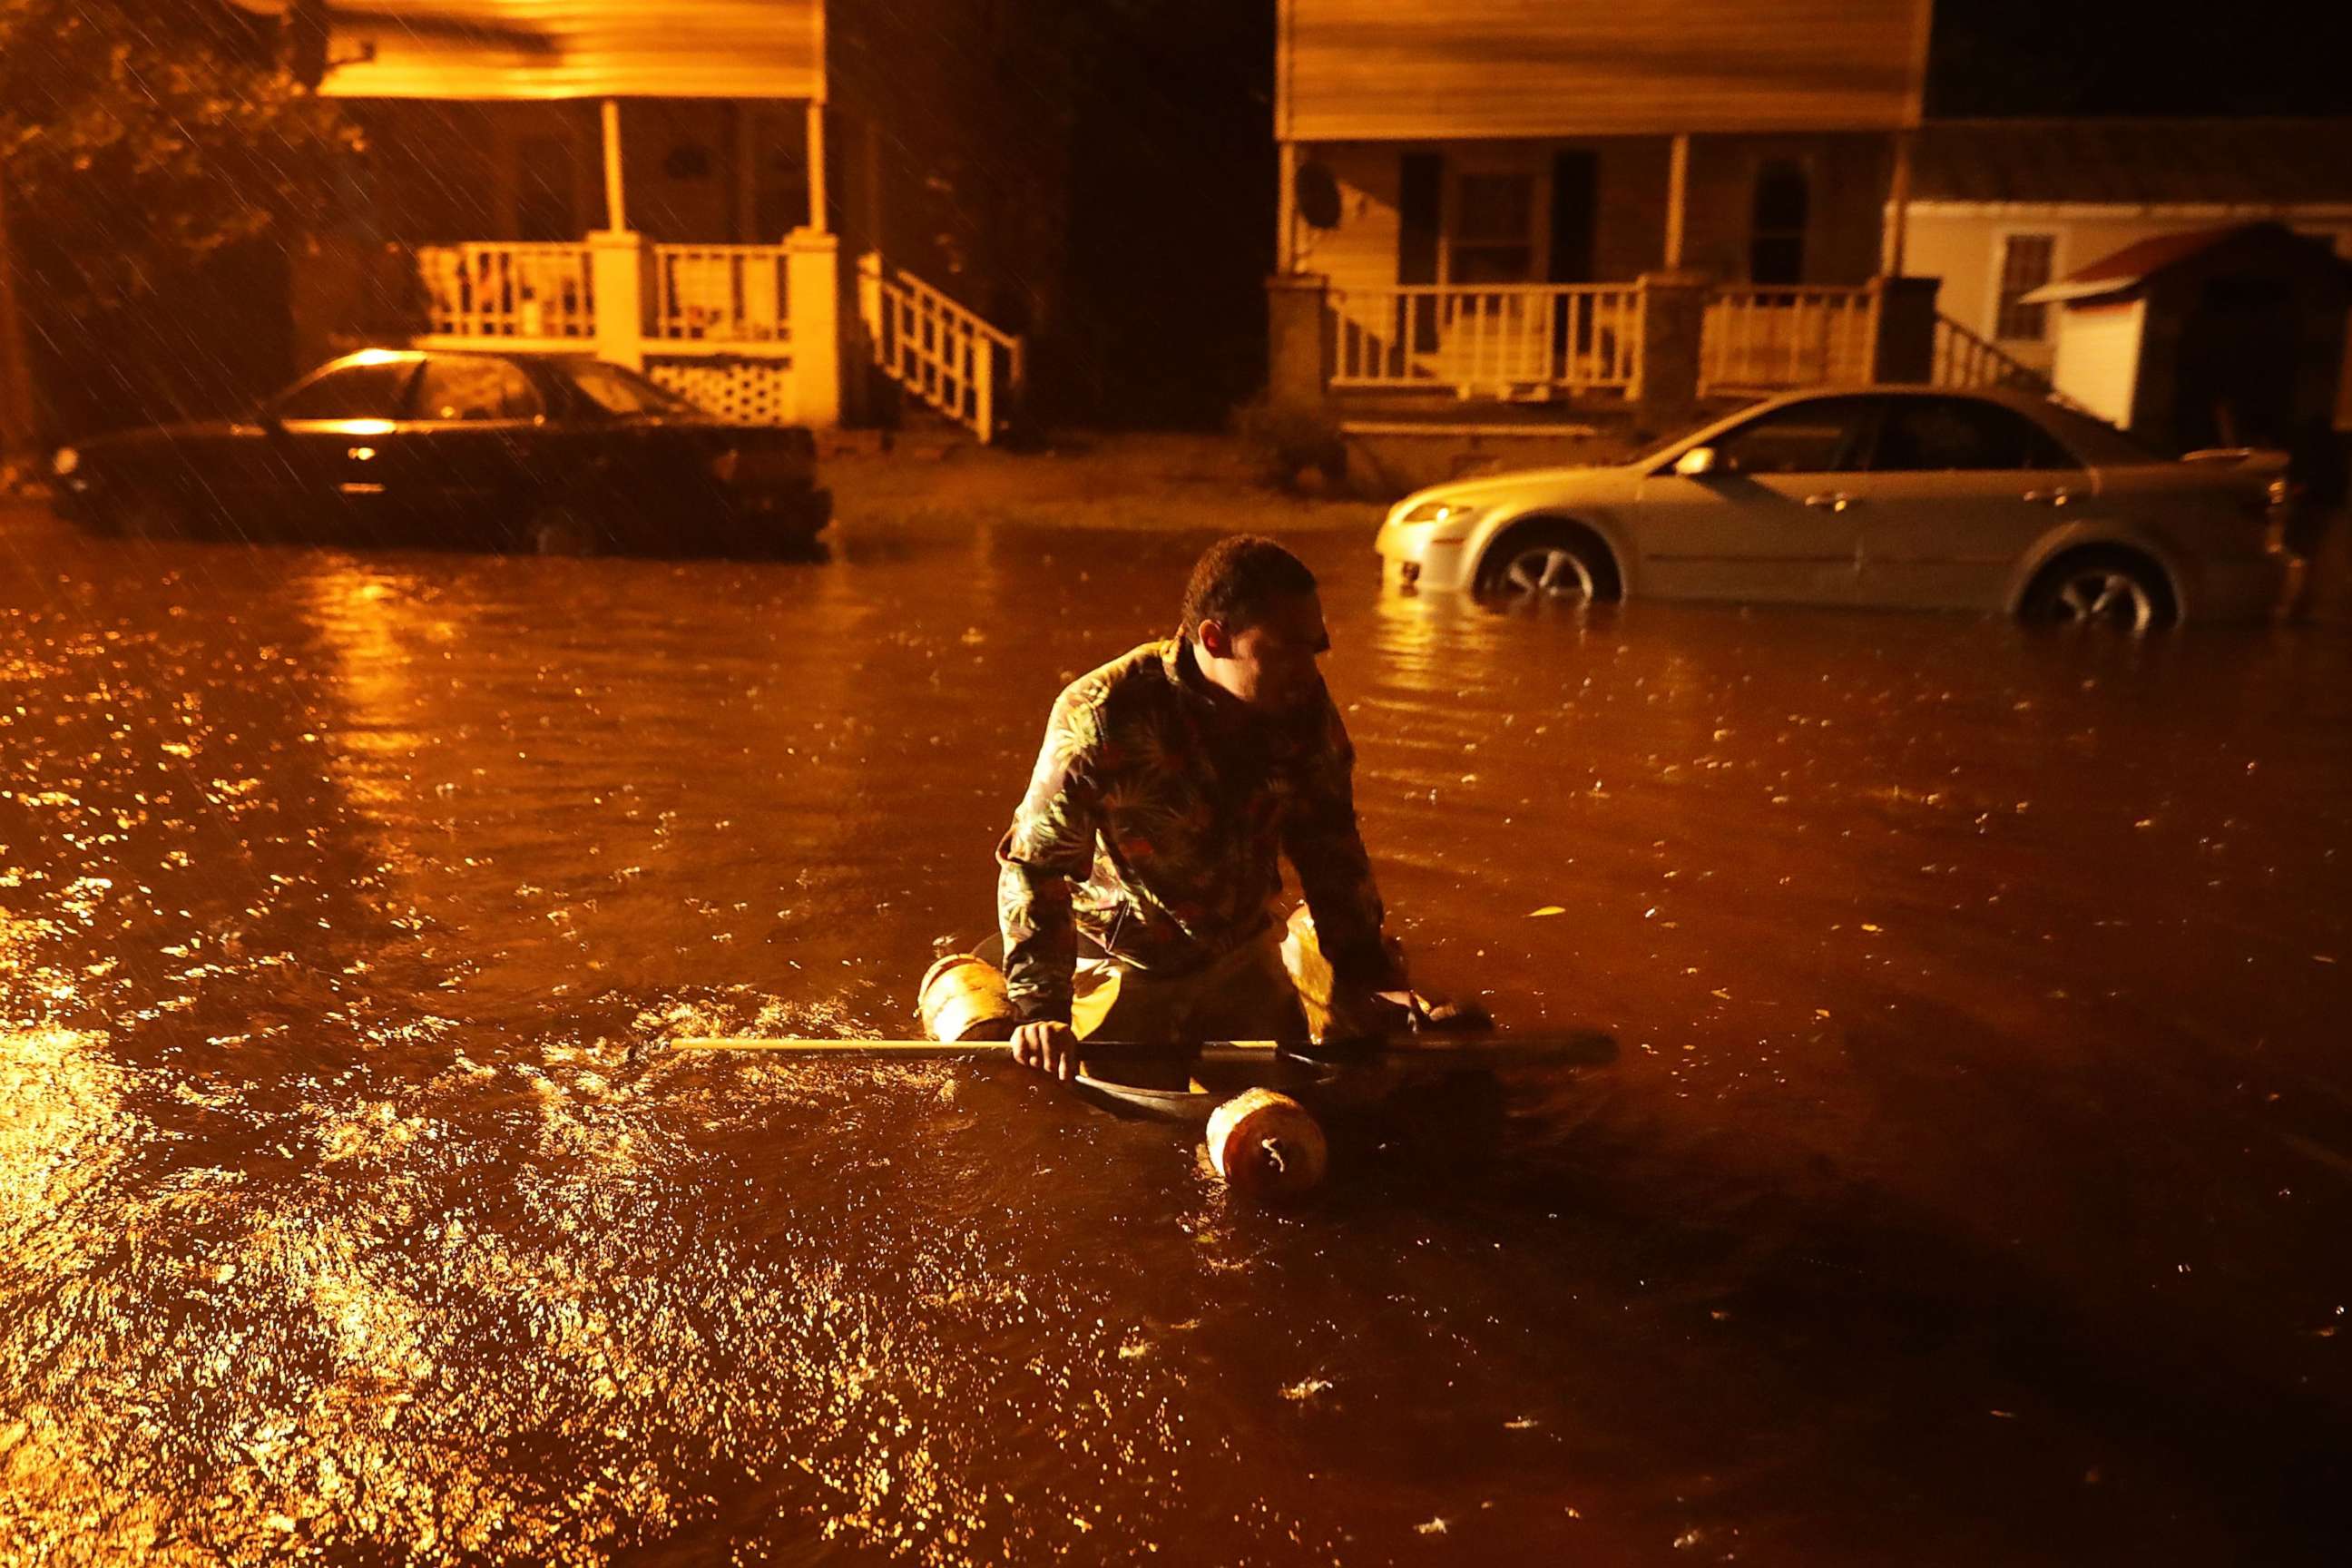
(1978, 995)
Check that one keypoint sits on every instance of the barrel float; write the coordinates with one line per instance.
(1265, 1145)
(963, 998)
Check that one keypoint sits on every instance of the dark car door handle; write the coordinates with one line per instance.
(2060, 496)
(1829, 501)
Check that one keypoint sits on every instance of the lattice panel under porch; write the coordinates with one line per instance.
(755, 391)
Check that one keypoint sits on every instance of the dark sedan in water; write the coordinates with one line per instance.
(558, 454)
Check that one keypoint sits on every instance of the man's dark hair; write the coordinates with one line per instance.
(1236, 581)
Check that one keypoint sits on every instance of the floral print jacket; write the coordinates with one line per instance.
(1153, 823)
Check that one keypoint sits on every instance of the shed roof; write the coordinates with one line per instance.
(2135, 163)
(2122, 271)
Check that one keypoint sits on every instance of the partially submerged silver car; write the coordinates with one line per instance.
(1914, 497)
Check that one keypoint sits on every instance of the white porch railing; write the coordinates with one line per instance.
(1759, 340)
(1963, 359)
(721, 293)
(1504, 339)
(509, 290)
(937, 349)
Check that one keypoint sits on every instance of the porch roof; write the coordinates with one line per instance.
(2134, 163)
(507, 49)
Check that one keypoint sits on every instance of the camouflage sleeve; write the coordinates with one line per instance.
(1320, 836)
(1051, 846)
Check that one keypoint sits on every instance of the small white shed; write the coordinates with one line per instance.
(2217, 337)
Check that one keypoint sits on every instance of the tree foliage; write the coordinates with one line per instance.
(141, 138)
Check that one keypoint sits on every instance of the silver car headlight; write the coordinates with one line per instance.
(67, 462)
(1454, 512)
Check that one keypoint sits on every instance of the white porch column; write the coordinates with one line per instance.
(1286, 221)
(1898, 209)
(1677, 198)
(621, 270)
(616, 215)
(816, 164)
(812, 279)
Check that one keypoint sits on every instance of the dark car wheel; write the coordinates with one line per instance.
(1547, 565)
(562, 530)
(2110, 588)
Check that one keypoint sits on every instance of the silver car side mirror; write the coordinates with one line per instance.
(1699, 462)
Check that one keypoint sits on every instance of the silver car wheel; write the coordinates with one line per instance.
(2102, 596)
(1549, 573)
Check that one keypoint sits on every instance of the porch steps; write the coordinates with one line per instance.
(941, 353)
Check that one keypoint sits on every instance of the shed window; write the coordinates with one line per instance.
(2024, 266)
(1493, 239)
(1776, 246)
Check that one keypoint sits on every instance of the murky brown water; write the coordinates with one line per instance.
(1969, 1184)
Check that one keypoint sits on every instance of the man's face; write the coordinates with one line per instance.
(1269, 665)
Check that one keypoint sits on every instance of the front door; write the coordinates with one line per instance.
(1780, 519)
(1958, 490)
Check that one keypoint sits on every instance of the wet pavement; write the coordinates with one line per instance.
(1967, 1183)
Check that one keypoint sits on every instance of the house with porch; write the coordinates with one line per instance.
(738, 197)
(1498, 215)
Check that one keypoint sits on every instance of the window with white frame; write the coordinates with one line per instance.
(2025, 260)
(1492, 235)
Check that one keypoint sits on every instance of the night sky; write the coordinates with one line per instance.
(2132, 57)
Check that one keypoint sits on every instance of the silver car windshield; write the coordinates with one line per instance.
(1657, 449)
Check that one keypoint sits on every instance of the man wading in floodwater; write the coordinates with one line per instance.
(1170, 781)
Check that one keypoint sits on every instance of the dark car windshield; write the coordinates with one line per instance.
(365, 389)
(619, 391)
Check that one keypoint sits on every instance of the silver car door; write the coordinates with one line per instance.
(1960, 488)
(1778, 519)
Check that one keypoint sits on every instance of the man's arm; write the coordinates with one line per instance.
(1051, 846)
(1320, 836)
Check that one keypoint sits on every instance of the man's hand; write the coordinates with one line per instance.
(1358, 1013)
(1048, 1046)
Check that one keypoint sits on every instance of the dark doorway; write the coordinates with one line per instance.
(1776, 245)
(2237, 371)
(1575, 211)
(1575, 216)
(1421, 178)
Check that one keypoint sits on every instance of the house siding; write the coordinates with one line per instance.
(1451, 70)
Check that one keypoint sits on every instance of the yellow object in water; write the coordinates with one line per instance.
(965, 998)
(1265, 1145)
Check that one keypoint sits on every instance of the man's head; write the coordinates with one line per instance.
(1255, 623)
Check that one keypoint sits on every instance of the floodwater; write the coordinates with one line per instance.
(1969, 1182)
